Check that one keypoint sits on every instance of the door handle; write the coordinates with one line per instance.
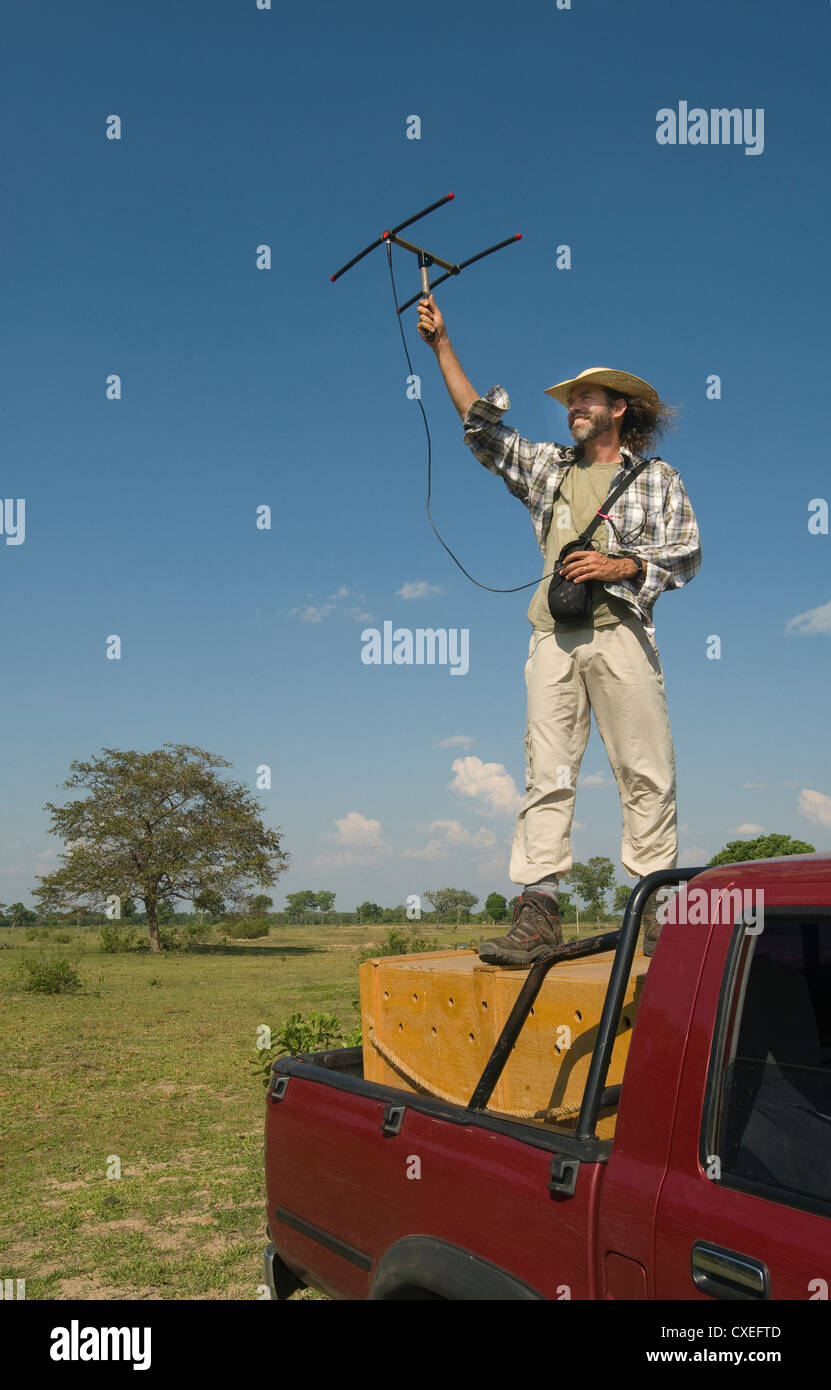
(725, 1274)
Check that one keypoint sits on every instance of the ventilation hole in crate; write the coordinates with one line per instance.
(532, 1013)
(401, 1027)
(434, 1030)
(386, 994)
(451, 1002)
(484, 1003)
(578, 1015)
(471, 1037)
(627, 1022)
(415, 998)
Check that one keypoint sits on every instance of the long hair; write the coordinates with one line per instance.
(644, 421)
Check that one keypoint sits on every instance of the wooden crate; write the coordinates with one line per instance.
(430, 1023)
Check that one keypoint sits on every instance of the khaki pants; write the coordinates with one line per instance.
(616, 672)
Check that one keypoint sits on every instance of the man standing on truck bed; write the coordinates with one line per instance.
(607, 663)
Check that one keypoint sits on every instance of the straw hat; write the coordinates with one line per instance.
(604, 376)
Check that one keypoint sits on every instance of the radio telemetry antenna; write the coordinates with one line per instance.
(425, 258)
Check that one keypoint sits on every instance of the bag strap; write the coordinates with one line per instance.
(611, 499)
(599, 514)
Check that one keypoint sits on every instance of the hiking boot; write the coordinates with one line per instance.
(535, 929)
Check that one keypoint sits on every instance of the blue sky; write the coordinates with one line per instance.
(244, 127)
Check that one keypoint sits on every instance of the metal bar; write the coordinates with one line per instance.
(589, 946)
(615, 991)
(498, 247)
(416, 297)
(359, 257)
(432, 208)
(456, 270)
(420, 251)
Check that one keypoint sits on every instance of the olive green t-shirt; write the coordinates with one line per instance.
(584, 488)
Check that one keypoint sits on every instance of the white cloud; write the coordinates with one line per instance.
(455, 741)
(815, 806)
(488, 784)
(317, 612)
(596, 779)
(312, 613)
(357, 830)
(813, 621)
(418, 588)
(692, 855)
(448, 836)
(748, 829)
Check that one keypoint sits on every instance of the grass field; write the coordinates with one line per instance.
(150, 1065)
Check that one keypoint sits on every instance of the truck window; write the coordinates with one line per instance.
(771, 1127)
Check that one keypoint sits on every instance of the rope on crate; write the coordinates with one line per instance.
(557, 1112)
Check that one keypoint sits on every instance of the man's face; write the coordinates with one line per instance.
(589, 413)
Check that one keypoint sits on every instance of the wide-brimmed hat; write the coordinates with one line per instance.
(604, 376)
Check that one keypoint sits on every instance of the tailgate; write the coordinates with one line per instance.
(356, 1171)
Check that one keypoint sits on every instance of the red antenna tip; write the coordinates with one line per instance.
(451, 195)
(384, 235)
(518, 236)
(331, 277)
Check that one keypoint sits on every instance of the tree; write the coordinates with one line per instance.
(622, 895)
(325, 902)
(260, 904)
(765, 847)
(369, 912)
(592, 882)
(451, 902)
(206, 901)
(21, 916)
(158, 826)
(496, 907)
(298, 904)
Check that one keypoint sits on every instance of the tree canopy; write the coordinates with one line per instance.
(451, 902)
(158, 826)
(765, 847)
(592, 882)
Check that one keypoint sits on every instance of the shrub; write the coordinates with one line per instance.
(45, 974)
(63, 937)
(400, 943)
(196, 934)
(170, 938)
(38, 934)
(249, 929)
(301, 1033)
(114, 937)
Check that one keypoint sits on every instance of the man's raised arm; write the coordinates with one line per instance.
(462, 393)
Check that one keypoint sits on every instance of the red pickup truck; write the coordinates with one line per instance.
(716, 1184)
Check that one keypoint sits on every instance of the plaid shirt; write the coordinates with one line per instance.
(653, 516)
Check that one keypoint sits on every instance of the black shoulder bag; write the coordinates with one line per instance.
(569, 602)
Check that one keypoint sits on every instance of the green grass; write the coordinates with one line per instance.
(151, 1063)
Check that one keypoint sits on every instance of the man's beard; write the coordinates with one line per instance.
(597, 423)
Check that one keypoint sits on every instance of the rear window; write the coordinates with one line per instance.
(773, 1119)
